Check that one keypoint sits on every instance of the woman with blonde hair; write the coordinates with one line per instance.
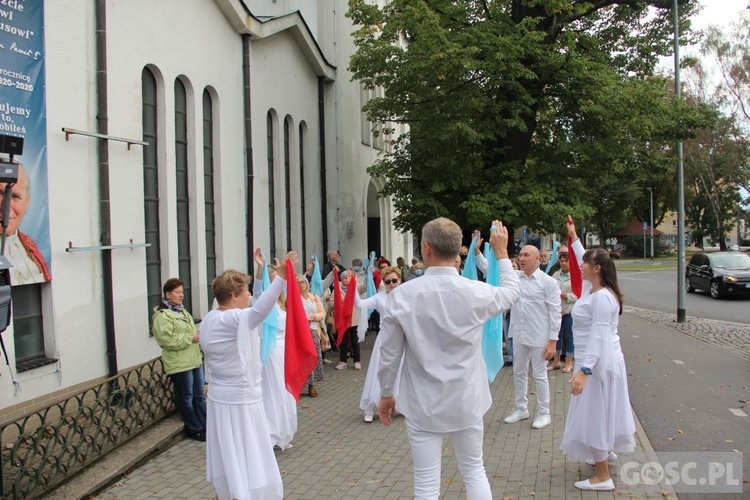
(240, 462)
(315, 314)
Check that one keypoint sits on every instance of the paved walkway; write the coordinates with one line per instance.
(337, 455)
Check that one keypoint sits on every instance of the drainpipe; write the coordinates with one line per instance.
(104, 197)
(248, 149)
(322, 149)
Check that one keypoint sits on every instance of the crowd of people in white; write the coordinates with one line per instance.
(427, 362)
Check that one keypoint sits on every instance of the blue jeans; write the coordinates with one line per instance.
(565, 338)
(191, 401)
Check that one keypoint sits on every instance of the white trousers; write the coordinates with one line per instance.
(427, 450)
(522, 356)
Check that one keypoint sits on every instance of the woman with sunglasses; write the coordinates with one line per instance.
(391, 278)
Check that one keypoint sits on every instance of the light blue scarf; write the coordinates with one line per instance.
(492, 340)
(316, 285)
(270, 324)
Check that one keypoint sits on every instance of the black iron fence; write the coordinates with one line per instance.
(43, 449)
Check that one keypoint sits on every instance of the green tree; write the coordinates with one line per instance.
(714, 172)
(475, 80)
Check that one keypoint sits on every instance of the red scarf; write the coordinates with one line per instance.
(300, 355)
(576, 280)
(343, 310)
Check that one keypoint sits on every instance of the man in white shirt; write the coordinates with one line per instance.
(435, 324)
(534, 327)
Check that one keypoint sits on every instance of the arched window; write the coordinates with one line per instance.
(208, 188)
(302, 137)
(151, 190)
(183, 200)
(287, 184)
(271, 185)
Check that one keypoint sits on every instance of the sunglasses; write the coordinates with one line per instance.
(390, 282)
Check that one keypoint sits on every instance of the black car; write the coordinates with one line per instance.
(719, 273)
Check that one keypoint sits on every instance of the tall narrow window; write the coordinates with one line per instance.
(208, 188)
(303, 250)
(287, 185)
(271, 187)
(183, 201)
(364, 123)
(151, 191)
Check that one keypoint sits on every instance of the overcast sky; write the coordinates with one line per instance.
(716, 13)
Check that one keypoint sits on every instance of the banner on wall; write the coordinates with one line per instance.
(23, 114)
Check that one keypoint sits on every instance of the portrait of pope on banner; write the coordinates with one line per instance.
(29, 265)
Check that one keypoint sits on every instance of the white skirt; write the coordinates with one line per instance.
(240, 462)
(279, 405)
(600, 419)
(371, 391)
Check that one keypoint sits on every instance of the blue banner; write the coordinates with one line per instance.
(23, 114)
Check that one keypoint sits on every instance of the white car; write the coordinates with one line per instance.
(733, 248)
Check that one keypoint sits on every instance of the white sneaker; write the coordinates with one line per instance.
(357, 365)
(369, 416)
(607, 485)
(328, 361)
(541, 421)
(516, 416)
(612, 457)
(341, 365)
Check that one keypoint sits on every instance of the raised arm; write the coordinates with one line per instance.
(578, 249)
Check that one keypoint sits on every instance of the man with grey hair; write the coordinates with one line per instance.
(29, 265)
(534, 327)
(435, 323)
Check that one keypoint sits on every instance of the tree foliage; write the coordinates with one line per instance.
(521, 109)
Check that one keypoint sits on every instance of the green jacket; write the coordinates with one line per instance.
(174, 334)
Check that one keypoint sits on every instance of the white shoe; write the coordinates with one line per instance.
(612, 457)
(328, 361)
(607, 485)
(341, 365)
(516, 416)
(369, 416)
(357, 365)
(541, 421)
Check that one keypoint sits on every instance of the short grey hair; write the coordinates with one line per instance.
(444, 236)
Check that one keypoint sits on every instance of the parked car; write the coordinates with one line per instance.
(719, 273)
(733, 248)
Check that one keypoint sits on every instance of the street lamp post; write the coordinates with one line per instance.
(651, 196)
(680, 184)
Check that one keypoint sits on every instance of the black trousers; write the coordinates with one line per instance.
(350, 340)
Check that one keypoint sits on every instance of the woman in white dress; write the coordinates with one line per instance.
(278, 403)
(240, 462)
(599, 417)
(390, 278)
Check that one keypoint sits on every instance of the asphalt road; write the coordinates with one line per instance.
(657, 290)
(688, 395)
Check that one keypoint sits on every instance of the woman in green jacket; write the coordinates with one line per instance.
(175, 332)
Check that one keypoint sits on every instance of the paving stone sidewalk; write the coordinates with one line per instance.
(726, 335)
(337, 455)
